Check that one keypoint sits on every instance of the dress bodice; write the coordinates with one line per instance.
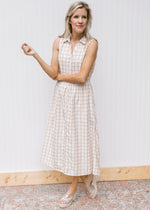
(70, 62)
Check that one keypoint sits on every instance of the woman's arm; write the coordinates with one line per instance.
(52, 69)
(86, 66)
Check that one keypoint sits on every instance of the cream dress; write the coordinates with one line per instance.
(71, 142)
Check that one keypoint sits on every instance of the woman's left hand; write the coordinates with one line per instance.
(58, 77)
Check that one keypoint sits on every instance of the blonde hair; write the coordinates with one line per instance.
(71, 10)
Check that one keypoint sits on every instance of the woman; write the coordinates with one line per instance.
(71, 140)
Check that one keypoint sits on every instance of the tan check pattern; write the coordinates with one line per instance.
(71, 139)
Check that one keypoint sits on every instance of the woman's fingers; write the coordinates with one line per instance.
(24, 45)
(27, 49)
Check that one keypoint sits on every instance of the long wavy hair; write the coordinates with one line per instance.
(71, 10)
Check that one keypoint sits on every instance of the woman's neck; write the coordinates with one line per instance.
(76, 37)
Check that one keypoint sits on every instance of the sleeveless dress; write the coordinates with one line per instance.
(71, 138)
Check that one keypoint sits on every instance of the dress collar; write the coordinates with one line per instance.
(82, 40)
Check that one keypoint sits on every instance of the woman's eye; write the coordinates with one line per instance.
(76, 16)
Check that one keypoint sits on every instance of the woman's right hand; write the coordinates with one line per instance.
(28, 50)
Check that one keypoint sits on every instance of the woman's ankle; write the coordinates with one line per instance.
(72, 191)
(87, 179)
(73, 188)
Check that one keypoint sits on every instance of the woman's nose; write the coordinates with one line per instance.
(80, 20)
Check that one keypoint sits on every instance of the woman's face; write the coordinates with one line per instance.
(78, 21)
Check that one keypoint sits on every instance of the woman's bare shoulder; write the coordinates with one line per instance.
(93, 44)
(56, 42)
(94, 41)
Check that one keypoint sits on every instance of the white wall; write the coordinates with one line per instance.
(121, 80)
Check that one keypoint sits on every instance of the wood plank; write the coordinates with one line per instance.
(55, 177)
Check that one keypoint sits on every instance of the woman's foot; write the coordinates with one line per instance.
(90, 186)
(67, 200)
(70, 196)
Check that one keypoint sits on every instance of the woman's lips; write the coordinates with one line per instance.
(80, 26)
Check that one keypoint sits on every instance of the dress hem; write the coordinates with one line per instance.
(59, 170)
